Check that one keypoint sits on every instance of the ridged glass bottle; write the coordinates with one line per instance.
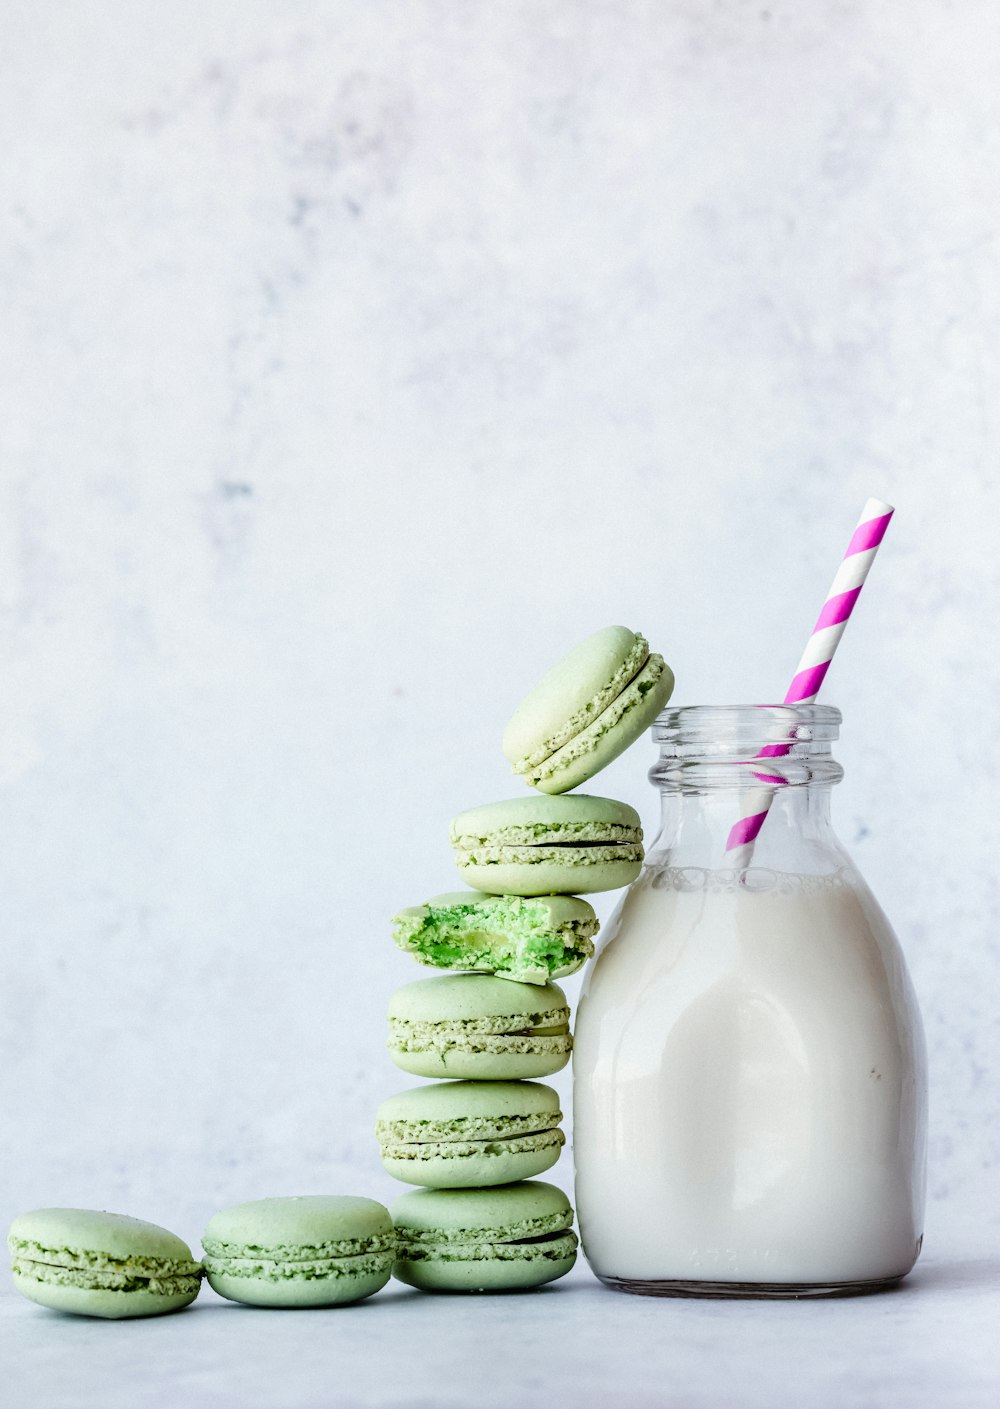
(749, 1070)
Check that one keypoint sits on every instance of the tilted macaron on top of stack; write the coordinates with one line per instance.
(101, 1264)
(473, 1141)
(587, 709)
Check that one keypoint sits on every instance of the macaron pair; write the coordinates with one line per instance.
(468, 1134)
(479, 1027)
(101, 1264)
(587, 709)
(538, 845)
(313, 1250)
(484, 1240)
(530, 939)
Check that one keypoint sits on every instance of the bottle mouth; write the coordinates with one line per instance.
(736, 745)
(727, 729)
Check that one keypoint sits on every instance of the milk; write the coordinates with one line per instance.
(749, 1086)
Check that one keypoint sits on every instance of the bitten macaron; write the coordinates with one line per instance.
(528, 938)
(313, 1250)
(484, 1240)
(467, 1134)
(479, 1027)
(101, 1264)
(587, 709)
(538, 845)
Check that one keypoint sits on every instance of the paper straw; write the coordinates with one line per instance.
(811, 669)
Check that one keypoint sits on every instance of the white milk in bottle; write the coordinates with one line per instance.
(749, 1088)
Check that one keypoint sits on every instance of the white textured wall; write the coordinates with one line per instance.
(357, 358)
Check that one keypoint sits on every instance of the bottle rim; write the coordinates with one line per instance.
(770, 723)
(719, 746)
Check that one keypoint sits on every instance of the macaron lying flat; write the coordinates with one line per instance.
(531, 939)
(480, 1027)
(101, 1264)
(587, 709)
(541, 845)
(315, 1250)
(467, 1134)
(484, 1240)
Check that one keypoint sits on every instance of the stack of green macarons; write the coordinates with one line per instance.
(478, 1220)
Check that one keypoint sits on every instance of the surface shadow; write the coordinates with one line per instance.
(960, 1275)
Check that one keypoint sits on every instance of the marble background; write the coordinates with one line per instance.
(359, 356)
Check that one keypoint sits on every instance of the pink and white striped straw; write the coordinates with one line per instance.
(811, 670)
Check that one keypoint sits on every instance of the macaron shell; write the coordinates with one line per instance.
(518, 1212)
(611, 733)
(451, 1111)
(102, 1302)
(339, 1287)
(570, 871)
(484, 1275)
(539, 818)
(288, 1224)
(497, 1005)
(112, 1236)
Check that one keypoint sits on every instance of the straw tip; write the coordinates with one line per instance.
(877, 509)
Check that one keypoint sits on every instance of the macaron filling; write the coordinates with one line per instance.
(80, 1267)
(467, 1136)
(299, 1270)
(552, 1247)
(589, 853)
(568, 832)
(58, 1276)
(465, 1149)
(538, 1033)
(307, 1252)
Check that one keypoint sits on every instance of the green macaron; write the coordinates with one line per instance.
(540, 845)
(528, 938)
(314, 1250)
(466, 1134)
(587, 709)
(484, 1240)
(480, 1027)
(101, 1264)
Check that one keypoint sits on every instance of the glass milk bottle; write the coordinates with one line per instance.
(749, 1072)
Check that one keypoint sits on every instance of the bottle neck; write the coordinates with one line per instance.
(720, 765)
(696, 827)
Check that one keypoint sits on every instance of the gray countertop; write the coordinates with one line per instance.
(931, 1342)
